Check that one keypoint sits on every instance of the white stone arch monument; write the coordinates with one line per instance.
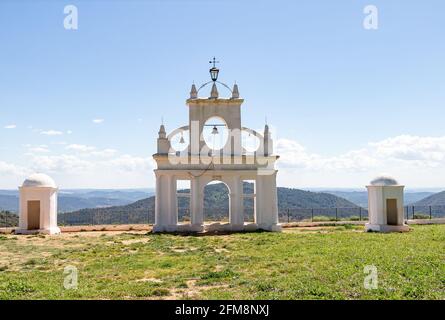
(385, 206)
(38, 205)
(232, 165)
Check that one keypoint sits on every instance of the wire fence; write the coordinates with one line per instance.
(285, 215)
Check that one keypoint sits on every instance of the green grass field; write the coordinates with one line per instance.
(320, 263)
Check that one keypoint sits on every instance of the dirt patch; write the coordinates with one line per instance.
(182, 250)
(149, 280)
(132, 241)
(192, 291)
(121, 227)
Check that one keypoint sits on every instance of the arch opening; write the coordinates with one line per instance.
(249, 141)
(179, 139)
(216, 202)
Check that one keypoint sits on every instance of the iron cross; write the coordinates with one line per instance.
(214, 62)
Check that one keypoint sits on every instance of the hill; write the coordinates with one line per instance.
(216, 203)
(437, 199)
(8, 219)
(72, 200)
(360, 198)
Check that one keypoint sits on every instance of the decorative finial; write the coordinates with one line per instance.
(162, 133)
(214, 93)
(235, 91)
(193, 92)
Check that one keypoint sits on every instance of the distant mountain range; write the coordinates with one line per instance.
(360, 198)
(72, 200)
(437, 199)
(215, 205)
(216, 197)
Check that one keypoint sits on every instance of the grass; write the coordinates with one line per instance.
(300, 263)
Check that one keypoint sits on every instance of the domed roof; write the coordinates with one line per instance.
(39, 180)
(384, 181)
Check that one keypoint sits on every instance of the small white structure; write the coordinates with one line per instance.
(385, 205)
(38, 205)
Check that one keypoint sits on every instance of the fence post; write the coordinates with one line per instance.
(407, 217)
(288, 217)
(336, 214)
(431, 216)
(312, 215)
(360, 214)
(413, 212)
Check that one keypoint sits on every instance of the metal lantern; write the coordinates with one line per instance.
(214, 70)
(214, 73)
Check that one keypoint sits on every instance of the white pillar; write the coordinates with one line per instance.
(166, 215)
(196, 202)
(267, 202)
(172, 201)
(236, 203)
(160, 204)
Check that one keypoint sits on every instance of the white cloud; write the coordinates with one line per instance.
(69, 132)
(40, 149)
(424, 151)
(131, 163)
(404, 150)
(98, 121)
(104, 153)
(10, 126)
(91, 150)
(413, 160)
(80, 147)
(51, 133)
(60, 164)
(8, 169)
(92, 167)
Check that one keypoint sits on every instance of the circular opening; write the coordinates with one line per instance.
(180, 140)
(215, 133)
(249, 141)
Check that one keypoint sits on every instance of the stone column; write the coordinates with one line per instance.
(160, 205)
(196, 202)
(236, 203)
(166, 217)
(172, 201)
(267, 202)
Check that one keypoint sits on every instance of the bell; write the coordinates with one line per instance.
(181, 141)
(215, 130)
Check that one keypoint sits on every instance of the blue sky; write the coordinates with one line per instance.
(345, 103)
